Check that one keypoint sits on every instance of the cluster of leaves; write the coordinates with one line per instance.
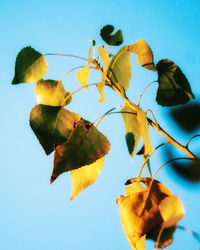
(149, 211)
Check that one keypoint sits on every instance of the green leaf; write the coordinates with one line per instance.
(119, 71)
(83, 75)
(145, 54)
(115, 39)
(132, 129)
(174, 87)
(52, 93)
(30, 66)
(52, 125)
(84, 146)
(106, 61)
(85, 176)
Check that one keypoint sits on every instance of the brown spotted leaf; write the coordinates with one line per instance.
(140, 210)
(84, 146)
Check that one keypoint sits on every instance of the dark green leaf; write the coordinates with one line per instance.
(52, 93)
(187, 116)
(115, 39)
(30, 66)
(52, 125)
(174, 87)
(84, 146)
(119, 70)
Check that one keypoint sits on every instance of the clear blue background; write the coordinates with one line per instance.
(35, 215)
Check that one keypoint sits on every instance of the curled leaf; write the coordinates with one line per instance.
(30, 66)
(174, 87)
(85, 176)
(83, 74)
(115, 39)
(119, 70)
(52, 93)
(145, 54)
(140, 210)
(105, 58)
(52, 125)
(84, 146)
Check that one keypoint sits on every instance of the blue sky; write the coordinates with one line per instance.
(35, 215)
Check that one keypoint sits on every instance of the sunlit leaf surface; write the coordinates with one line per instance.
(84, 146)
(140, 211)
(52, 125)
(30, 66)
(52, 93)
(85, 176)
(111, 39)
(172, 210)
(173, 86)
(145, 54)
(119, 71)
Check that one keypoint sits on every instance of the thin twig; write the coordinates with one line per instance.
(57, 54)
(187, 144)
(147, 86)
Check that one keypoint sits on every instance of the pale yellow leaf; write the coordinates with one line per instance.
(85, 176)
(144, 129)
(104, 56)
(137, 187)
(83, 75)
(145, 54)
(172, 210)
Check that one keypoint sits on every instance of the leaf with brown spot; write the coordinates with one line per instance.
(140, 209)
(84, 146)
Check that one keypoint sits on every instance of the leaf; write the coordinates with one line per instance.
(84, 146)
(83, 74)
(132, 129)
(52, 93)
(187, 116)
(166, 237)
(85, 176)
(119, 71)
(30, 66)
(174, 87)
(115, 39)
(52, 125)
(140, 210)
(145, 54)
(144, 129)
(105, 58)
(172, 210)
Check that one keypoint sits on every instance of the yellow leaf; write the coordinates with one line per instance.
(172, 210)
(106, 61)
(140, 209)
(83, 74)
(144, 129)
(51, 93)
(145, 54)
(104, 56)
(85, 176)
